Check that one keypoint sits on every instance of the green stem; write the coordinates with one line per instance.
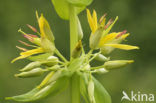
(73, 29)
(61, 56)
(75, 85)
(75, 88)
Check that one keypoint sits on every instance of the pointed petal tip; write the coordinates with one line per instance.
(130, 61)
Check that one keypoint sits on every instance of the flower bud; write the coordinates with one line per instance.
(80, 31)
(100, 71)
(33, 73)
(117, 64)
(53, 68)
(91, 91)
(101, 58)
(77, 51)
(30, 66)
(51, 60)
(95, 38)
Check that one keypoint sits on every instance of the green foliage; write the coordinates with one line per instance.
(39, 93)
(80, 2)
(62, 8)
(101, 95)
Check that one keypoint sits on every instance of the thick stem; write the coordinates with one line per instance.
(73, 29)
(75, 88)
(75, 85)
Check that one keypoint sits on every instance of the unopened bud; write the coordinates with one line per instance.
(101, 58)
(80, 31)
(31, 66)
(53, 68)
(117, 64)
(52, 60)
(95, 38)
(77, 51)
(100, 71)
(91, 91)
(32, 73)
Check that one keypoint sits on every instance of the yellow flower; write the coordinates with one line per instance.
(108, 41)
(42, 45)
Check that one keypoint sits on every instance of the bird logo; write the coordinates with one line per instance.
(125, 96)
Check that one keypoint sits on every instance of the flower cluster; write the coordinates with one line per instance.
(46, 57)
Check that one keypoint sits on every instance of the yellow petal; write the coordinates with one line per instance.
(45, 29)
(108, 38)
(90, 21)
(28, 53)
(20, 57)
(37, 16)
(122, 46)
(95, 20)
(32, 52)
(102, 21)
(110, 27)
(44, 82)
(125, 36)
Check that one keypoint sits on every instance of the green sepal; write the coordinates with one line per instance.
(62, 8)
(39, 93)
(80, 2)
(100, 93)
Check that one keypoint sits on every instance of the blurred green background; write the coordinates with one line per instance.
(136, 16)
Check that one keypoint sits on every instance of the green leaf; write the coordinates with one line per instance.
(39, 93)
(80, 2)
(100, 93)
(62, 8)
(83, 87)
